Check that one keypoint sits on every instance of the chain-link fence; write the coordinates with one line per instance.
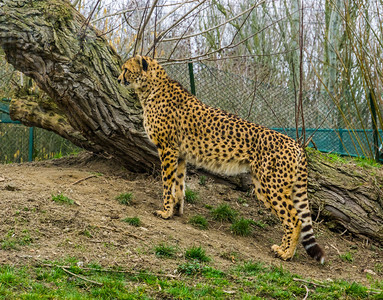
(275, 107)
(259, 102)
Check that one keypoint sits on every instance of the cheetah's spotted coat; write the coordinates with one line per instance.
(186, 130)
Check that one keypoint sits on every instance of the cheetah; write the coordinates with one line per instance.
(185, 130)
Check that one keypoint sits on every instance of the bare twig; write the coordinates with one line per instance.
(344, 232)
(310, 282)
(124, 232)
(204, 55)
(137, 42)
(335, 249)
(163, 33)
(130, 10)
(65, 268)
(319, 210)
(300, 101)
(142, 28)
(127, 22)
(211, 28)
(307, 292)
(81, 277)
(187, 28)
(165, 61)
(244, 21)
(83, 179)
(87, 20)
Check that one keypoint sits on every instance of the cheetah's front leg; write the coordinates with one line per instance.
(169, 164)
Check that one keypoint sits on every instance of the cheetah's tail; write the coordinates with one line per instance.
(301, 204)
(310, 244)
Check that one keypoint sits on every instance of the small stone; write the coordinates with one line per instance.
(369, 271)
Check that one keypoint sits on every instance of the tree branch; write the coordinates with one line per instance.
(43, 40)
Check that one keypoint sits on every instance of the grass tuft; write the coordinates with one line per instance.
(242, 227)
(191, 268)
(199, 222)
(202, 180)
(191, 196)
(125, 198)
(347, 257)
(224, 213)
(60, 198)
(165, 251)
(135, 221)
(197, 253)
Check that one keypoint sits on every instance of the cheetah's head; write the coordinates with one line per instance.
(138, 71)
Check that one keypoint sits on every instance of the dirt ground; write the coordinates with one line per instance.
(92, 230)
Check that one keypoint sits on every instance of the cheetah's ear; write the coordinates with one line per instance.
(144, 64)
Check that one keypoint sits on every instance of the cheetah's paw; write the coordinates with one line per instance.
(285, 255)
(163, 214)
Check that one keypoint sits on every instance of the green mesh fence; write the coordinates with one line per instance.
(274, 107)
(259, 102)
(19, 143)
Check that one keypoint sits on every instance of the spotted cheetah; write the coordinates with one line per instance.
(186, 130)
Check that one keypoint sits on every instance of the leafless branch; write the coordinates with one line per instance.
(130, 10)
(86, 22)
(212, 28)
(176, 45)
(140, 31)
(300, 103)
(127, 22)
(172, 12)
(230, 46)
(163, 33)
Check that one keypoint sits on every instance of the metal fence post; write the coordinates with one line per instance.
(374, 128)
(31, 143)
(191, 75)
(341, 148)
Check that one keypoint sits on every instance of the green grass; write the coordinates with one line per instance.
(191, 196)
(192, 268)
(347, 257)
(224, 213)
(60, 198)
(242, 227)
(367, 163)
(13, 240)
(165, 251)
(202, 180)
(125, 198)
(378, 268)
(199, 222)
(197, 253)
(194, 280)
(135, 221)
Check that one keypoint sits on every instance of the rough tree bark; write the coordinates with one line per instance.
(74, 64)
(71, 61)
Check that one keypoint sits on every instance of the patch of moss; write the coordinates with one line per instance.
(56, 10)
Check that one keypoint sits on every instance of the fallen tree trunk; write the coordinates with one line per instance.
(74, 64)
(52, 43)
(347, 193)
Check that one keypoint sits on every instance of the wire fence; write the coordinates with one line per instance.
(275, 107)
(259, 102)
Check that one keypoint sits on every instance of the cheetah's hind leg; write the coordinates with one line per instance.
(277, 197)
(179, 187)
